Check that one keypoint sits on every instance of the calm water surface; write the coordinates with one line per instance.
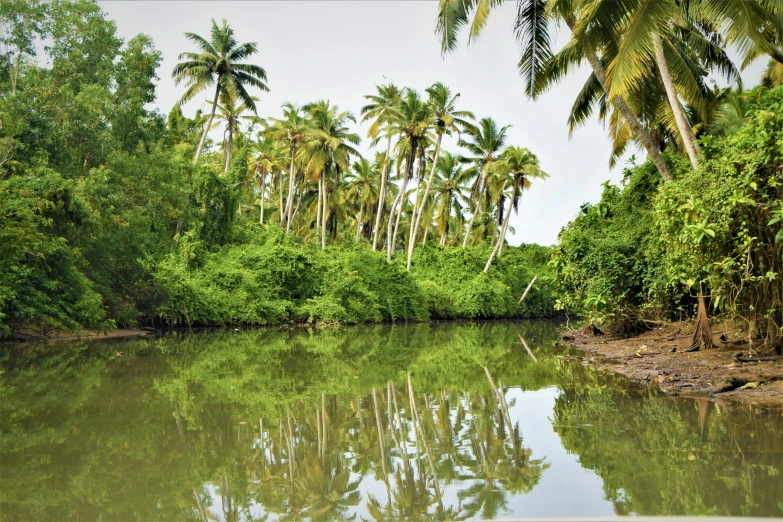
(325, 424)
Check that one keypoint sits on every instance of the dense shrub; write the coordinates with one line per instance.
(647, 249)
(268, 278)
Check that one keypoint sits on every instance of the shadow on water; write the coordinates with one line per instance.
(425, 421)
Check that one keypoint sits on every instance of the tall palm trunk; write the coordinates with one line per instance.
(501, 239)
(688, 137)
(325, 207)
(280, 197)
(206, 128)
(418, 213)
(382, 195)
(318, 207)
(263, 188)
(359, 222)
(229, 146)
(411, 232)
(401, 207)
(620, 104)
(475, 210)
(390, 225)
(291, 188)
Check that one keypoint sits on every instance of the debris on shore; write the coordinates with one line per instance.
(660, 357)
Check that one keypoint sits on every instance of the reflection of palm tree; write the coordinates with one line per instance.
(329, 491)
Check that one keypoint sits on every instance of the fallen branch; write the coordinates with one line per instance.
(528, 289)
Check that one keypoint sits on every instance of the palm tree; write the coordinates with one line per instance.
(450, 192)
(328, 145)
(411, 121)
(218, 64)
(651, 33)
(518, 166)
(268, 158)
(230, 113)
(362, 185)
(485, 143)
(648, 100)
(446, 119)
(531, 30)
(381, 109)
(291, 128)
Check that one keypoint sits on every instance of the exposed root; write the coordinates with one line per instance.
(702, 335)
(592, 329)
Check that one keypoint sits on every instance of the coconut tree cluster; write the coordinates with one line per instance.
(306, 172)
(650, 61)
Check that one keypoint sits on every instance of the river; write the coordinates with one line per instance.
(322, 424)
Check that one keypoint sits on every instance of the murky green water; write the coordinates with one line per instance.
(324, 425)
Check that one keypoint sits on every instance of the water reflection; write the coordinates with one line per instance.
(412, 422)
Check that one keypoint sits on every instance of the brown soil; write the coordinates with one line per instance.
(83, 335)
(659, 358)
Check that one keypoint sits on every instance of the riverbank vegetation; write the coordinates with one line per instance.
(701, 221)
(114, 215)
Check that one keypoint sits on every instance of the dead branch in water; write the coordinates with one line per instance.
(527, 348)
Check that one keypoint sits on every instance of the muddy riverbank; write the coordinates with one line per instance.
(732, 371)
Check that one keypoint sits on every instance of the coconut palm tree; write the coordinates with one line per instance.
(484, 143)
(446, 120)
(362, 189)
(291, 129)
(697, 51)
(411, 121)
(218, 63)
(651, 36)
(450, 193)
(517, 166)
(381, 109)
(229, 113)
(268, 156)
(531, 28)
(327, 147)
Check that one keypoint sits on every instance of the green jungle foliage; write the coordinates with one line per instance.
(105, 220)
(648, 248)
(112, 214)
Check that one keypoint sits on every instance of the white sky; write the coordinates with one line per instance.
(339, 50)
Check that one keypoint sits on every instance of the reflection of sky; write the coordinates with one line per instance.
(565, 489)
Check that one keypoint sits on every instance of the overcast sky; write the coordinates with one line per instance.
(339, 50)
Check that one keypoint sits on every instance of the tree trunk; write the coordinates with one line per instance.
(291, 189)
(688, 137)
(229, 143)
(416, 204)
(209, 124)
(401, 207)
(630, 118)
(390, 225)
(325, 207)
(261, 195)
(382, 195)
(318, 207)
(417, 213)
(501, 239)
(470, 225)
(359, 222)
